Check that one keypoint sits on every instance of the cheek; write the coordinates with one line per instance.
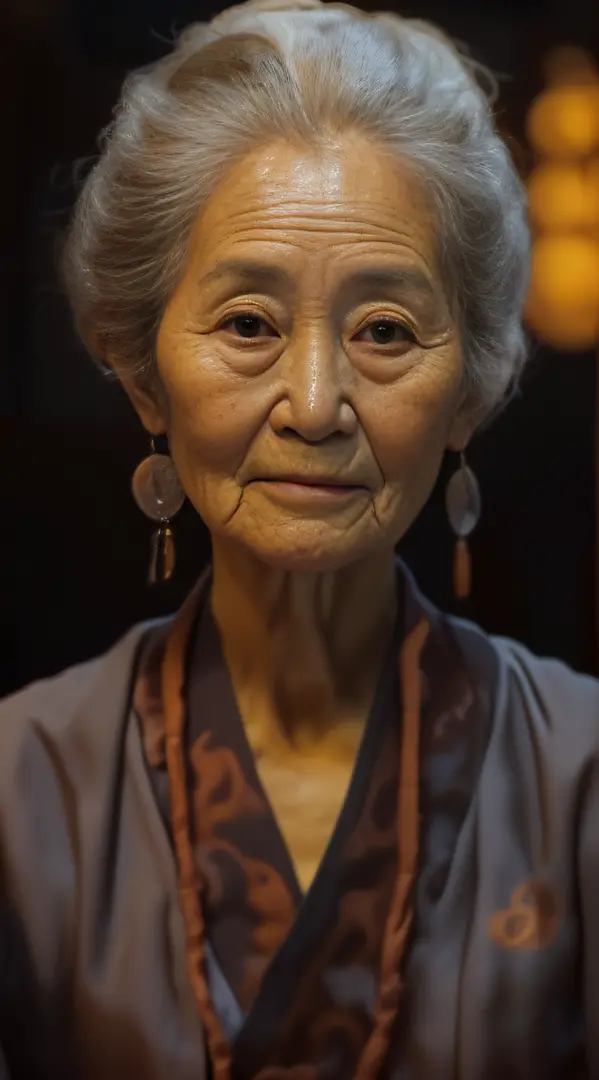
(404, 441)
(214, 414)
(409, 431)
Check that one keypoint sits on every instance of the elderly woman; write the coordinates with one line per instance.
(309, 829)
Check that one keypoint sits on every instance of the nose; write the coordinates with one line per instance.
(313, 402)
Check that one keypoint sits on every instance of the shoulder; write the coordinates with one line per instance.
(546, 679)
(56, 709)
(537, 700)
(541, 694)
(63, 755)
(62, 746)
(549, 681)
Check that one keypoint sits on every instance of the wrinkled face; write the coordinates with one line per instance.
(311, 372)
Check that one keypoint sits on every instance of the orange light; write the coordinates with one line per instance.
(564, 197)
(564, 122)
(563, 301)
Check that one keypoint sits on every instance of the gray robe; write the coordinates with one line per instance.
(502, 975)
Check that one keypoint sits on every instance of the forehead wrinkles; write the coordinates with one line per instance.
(334, 240)
(359, 220)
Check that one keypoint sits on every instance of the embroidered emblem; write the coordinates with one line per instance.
(531, 921)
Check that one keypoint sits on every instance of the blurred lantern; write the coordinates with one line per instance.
(563, 122)
(563, 126)
(564, 198)
(563, 301)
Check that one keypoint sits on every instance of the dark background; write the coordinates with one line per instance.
(73, 547)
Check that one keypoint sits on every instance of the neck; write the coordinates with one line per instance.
(303, 649)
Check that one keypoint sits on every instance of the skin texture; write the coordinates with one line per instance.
(310, 338)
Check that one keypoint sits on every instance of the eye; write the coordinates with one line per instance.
(249, 326)
(385, 332)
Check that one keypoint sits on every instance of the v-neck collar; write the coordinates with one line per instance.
(302, 1039)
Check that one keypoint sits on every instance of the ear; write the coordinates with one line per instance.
(465, 423)
(147, 398)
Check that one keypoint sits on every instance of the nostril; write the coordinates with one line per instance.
(331, 442)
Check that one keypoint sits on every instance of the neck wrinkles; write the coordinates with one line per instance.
(303, 649)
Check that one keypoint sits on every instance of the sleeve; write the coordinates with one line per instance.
(32, 869)
(589, 904)
(565, 706)
(16, 993)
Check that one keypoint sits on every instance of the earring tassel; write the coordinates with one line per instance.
(462, 569)
(162, 560)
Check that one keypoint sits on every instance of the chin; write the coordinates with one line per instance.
(309, 555)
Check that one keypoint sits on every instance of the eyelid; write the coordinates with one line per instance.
(225, 320)
(398, 320)
(247, 309)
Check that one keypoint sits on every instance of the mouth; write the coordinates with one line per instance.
(310, 489)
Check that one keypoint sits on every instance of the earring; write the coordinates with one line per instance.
(463, 504)
(159, 495)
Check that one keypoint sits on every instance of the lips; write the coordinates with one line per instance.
(312, 494)
(321, 481)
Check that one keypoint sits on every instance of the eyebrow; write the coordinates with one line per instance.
(373, 280)
(406, 279)
(249, 273)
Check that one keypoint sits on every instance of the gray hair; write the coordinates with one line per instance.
(300, 68)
